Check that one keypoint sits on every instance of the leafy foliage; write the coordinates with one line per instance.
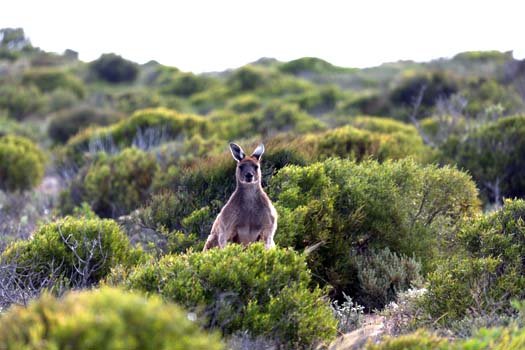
(102, 319)
(114, 69)
(145, 129)
(72, 251)
(22, 163)
(67, 123)
(492, 272)
(383, 274)
(344, 205)
(50, 79)
(494, 156)
(113, 185)
(264, 292)
(20, 101)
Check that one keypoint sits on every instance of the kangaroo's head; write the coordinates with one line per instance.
(248, 167)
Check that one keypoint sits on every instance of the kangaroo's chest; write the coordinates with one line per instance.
(250, 220)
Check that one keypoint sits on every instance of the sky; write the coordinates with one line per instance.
(214, 35)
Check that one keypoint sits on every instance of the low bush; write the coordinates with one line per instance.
(273, 118)
(500, 338)
(263, 292)
(309, 65)
(144, 129)
(114, 69)
(245, 103)
(22, 163)
(435, 86)
(285, 117)
(101, 319)
(352, 143)
(494, 155)
(343, 205)
(51, 79)
(68, 123)
(490, 274)
(131, 101)
(73, 252)
(113, 185)
(185, 84)
(420, 340)
(383, 274)
(210, 99)
(458, 285)
(61, 99)
(247, 78)
(20, 101)
(383, 125)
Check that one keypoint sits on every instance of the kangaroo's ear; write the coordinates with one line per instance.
(237, 152)
(258, 152)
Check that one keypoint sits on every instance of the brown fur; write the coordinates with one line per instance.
(249, 215)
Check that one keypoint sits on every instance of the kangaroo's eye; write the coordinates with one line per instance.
(256, 167)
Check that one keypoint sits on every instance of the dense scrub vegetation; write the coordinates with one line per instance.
(399, 190)
(239, 289)
(101, 319)
(22, 163)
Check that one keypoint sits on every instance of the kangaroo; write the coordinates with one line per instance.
(249, 215)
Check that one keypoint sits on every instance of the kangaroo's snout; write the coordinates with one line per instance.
(248, 177)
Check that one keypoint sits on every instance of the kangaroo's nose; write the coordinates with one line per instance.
(249, 177)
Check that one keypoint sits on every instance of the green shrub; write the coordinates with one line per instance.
(101, 319)
(470, 57)
(352, 143)
(20, 101)
(78, 251)
(284, 117)
(263, 292)
(307, 65)
(345, 205)
(247, 78)
(502, 338)
(115, 185)
(319, 101)
(459, 285)
(245, 103)
(490, 275)
(420, 340)
(114, 69)
(62, 99)
(67, 123)
(275, 117)
(436, 85)
(382, 274)
(507, 338)
(22, 163)
(485, 94)
(51, 79)
(185, 85)
(229, 125)
(31, 130)
(494, 155)
(383, 125)
(129, 102)
(145, 128)
(210, 99)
